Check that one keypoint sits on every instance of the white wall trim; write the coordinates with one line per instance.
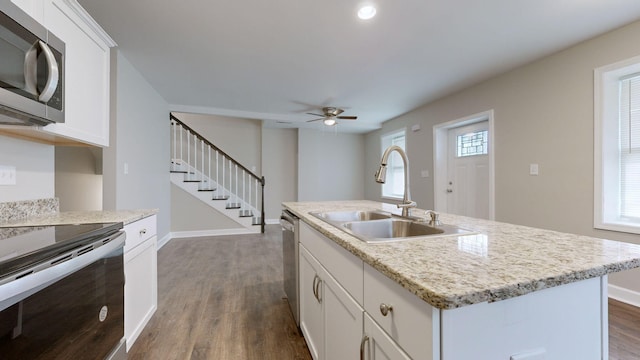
(625, 295)
(220, 232)
(440, 140)
(165, 239)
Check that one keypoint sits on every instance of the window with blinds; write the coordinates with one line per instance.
(394, 185)
(630, 148)
(617, 146)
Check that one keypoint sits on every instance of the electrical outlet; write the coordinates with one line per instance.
(424, 173)
(533, 169)
(7, 175)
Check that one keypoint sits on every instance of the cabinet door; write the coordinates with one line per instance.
(140, 288)
(311, 315)
(86, 87)
(342, 321)
(377, 345)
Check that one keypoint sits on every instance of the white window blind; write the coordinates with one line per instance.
(630, 148)
(617, 145)
(394, 185)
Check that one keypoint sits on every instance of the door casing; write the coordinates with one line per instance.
(440, 158)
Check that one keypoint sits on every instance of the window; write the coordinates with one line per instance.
(617, 145)
(394, 186)
(475, 143)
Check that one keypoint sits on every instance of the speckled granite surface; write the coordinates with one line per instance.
(82, 217)
(16, 210)
(500, 261)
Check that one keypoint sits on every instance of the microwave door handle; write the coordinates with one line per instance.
(31, 70)
(52, 79)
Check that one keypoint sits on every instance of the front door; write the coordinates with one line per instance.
(468, 176)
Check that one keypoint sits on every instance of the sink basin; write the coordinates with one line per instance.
(376, 226)
(344, 216)
(390, 230)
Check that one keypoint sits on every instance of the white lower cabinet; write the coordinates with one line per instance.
(330, 318)
(311, 309)
(377, 345)
(141, 277)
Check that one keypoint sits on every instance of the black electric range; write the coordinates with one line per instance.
(62, 292)
(23, 247)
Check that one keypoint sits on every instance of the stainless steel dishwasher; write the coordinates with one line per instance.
(290, 227)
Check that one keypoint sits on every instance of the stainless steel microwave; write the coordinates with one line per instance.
(31, 70)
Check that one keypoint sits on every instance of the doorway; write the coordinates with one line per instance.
(464, 166)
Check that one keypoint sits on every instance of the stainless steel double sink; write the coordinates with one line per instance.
(376, 226)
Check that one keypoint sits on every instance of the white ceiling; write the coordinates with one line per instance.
(278, 59)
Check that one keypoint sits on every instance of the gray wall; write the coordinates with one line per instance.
(191, 214)
(240, 138)
(34, 163)
(544, 115)
(330, 166)
(78, 177)
(280, 164)
(139, 138)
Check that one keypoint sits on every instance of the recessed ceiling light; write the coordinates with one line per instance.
(367, 12)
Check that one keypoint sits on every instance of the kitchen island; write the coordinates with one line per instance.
(502, 292)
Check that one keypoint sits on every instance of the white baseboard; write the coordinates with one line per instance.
(625, 295)
(221, 232)
(165, 239)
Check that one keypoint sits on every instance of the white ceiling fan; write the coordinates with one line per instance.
(330, 115)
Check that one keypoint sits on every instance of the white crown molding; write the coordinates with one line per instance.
(90, 22)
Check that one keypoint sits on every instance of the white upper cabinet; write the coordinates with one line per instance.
(86, 87)
(32, 7)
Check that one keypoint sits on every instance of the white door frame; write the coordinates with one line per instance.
(440, 158)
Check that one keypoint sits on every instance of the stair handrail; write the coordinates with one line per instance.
(259, 178)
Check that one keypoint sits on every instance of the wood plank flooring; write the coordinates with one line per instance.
(221, 298)
(624, 331)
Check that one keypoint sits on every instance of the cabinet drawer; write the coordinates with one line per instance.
(411, 322)
(139, 231)
(345, 267)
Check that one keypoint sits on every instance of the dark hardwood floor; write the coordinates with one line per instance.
(624, 331)
(221, 298)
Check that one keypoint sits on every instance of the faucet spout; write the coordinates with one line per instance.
(381, 174)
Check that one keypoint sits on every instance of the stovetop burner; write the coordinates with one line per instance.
(24, 246)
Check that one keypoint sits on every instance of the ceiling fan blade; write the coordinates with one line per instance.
(315, 114)
(347, 117)
(315, 119)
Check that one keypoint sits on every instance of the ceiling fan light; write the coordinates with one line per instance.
(329, 121)
(367, 12)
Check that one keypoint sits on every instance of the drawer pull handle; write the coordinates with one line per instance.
(365, 339)
(143, 231)
(385, 309)
(318, 297)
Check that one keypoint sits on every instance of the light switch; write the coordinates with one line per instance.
(424, 173)
(126, 168)
(533, 169)
(7, 175)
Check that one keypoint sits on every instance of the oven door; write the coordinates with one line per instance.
(77, 316)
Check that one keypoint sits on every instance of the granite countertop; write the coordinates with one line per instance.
(498, 262)
(81, 217)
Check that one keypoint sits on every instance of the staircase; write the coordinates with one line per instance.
(213, 177)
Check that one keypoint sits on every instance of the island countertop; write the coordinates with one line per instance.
(499, 261)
